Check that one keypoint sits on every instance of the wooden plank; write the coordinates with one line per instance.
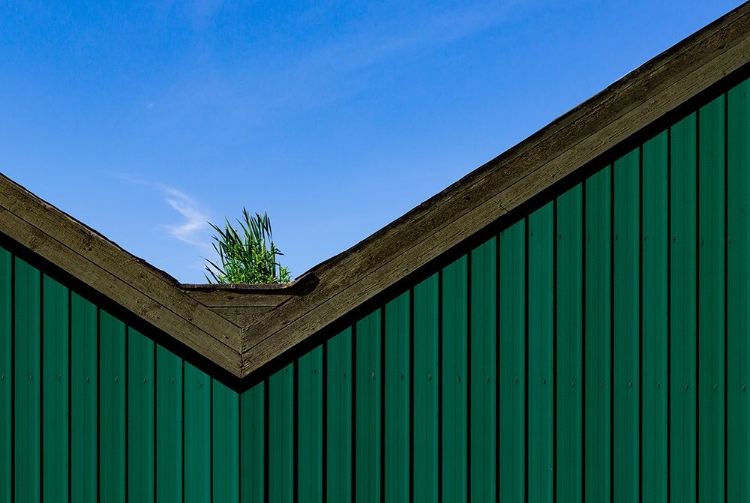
(738, 293)
(426, 378)
(711, 299)
(310, 426)
(598, 336)
(141, 416)
(455, 305)
(655, 334)
(512, 364)
(541, 242)
(281, 435)
(253, 435)
(626, 328)
(398, 412)
(84, 377)
(483, 370)
(339, 425)
(367, 408)
(225, 443)
(27, 367)
(141, 289)
(482, 197)
(683, 303)
(55, 383)
(112, 378)
(6, 376)
(197, 435)
(569, 355)
(169, 426)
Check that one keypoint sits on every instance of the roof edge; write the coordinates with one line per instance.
(571, 142)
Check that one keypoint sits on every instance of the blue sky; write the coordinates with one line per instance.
(146, 119)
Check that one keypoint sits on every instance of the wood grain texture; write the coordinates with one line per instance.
(478, 200)
(242, 329)
(141, 289)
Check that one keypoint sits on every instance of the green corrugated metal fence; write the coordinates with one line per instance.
(595, 350)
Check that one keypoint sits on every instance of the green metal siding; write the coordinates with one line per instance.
(596, 349)
(93, 410)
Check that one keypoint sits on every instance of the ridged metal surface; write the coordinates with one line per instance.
(596, 350)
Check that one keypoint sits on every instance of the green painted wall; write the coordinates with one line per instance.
(596, 350)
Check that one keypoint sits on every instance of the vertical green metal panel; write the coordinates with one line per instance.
(55, 380)
(426, 377)
(626, 326)
(541, 353)
(398, 411)
(141, 418)
(281, 435)
(711, 315)
(169, 426)
(6, 375)
(483, 370)
(310, 426)
(225, 446)
(367, 409)
(84, 377)
(512, 364)
(339, 414)
(654, 315)
(454, 299)
(252, 441)
(112, 347)
(27, 462)
(569, 302)
(197, 435)
(738, 293)
(597, 335)
(683, 302)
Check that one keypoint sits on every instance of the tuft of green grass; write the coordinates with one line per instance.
(248, 254)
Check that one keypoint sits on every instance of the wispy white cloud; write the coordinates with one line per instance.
(193, 228)
(195, 221)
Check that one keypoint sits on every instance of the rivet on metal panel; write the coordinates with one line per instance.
(372, 376)
(2, 376)
(200, 385)
(687, 386)
(343, 375)
(743, 387)
(144, 379)
(601, 384)
(658, 385)
(459, 378)
(31, 377)
(716, 386)
(488, 378)
(630, 384)
(117, 378)
(516, 378)
(315, 371)
(88, 378)
(402, 377)
(544, 381)
(429, 376)
(58, 377)
(573, 384)
(172, 381)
